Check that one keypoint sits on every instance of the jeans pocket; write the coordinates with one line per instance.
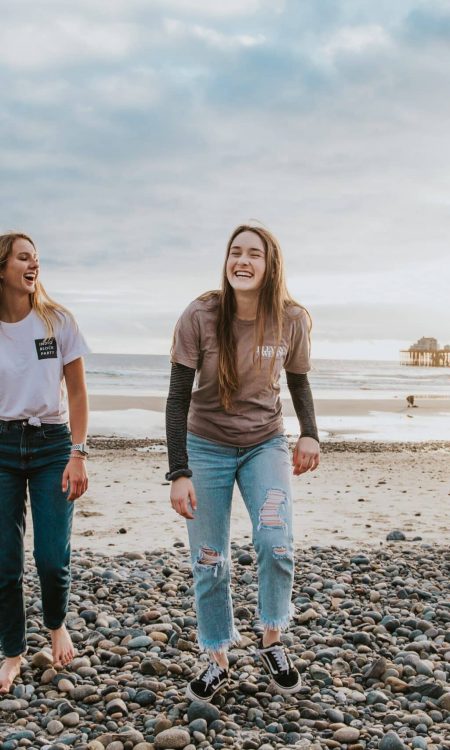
(54, 432)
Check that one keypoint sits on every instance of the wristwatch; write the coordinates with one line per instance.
(80, 448)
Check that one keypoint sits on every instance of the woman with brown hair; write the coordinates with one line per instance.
(230, 429)
(41, 350)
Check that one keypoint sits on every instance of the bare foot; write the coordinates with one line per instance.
(9, 671)
(62, 647)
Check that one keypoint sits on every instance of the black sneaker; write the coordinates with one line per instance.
(279, 667)
(204, 687)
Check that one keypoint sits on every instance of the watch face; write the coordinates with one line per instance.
(81, 448)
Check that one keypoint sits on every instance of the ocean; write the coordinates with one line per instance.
(147, 374)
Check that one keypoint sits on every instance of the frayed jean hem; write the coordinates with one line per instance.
(219, 647)
(281, 624)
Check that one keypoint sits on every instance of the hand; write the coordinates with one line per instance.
(75, 477)
(183, 498)
(306, 455)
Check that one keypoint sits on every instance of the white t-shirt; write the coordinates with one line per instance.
(31, 368)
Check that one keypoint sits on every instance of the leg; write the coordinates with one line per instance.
(12, 529)
(52, 521)
(213, 469)
(264, 481)
(12, 608)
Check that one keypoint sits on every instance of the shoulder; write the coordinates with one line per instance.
(297, 314)
(64, 321)
(204, 306)
(66, 328)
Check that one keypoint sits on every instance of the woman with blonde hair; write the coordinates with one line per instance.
(230, 429)
(41, 350)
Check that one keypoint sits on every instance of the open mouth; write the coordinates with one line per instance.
(30, 277)
(243, 275)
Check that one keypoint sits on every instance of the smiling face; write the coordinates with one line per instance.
(20, 274)
(246, 262)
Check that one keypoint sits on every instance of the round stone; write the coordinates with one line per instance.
(141, 641)
(145, 697)
(391, 741)
(9, 704)
(199, 710)
(346, 734)
(172, 738)
(54, 727)
(116, 706)
(42, 659)
(71, 719)
(199, 725)
(396, 536)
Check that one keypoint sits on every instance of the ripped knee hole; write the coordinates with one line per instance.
(270, 513)
(209, 556)
(279, 551)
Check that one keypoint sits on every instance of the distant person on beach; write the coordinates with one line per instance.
(40, 348)
(410, 402)
(229, 430)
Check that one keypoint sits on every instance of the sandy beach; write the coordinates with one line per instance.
(357, 496)
(325, 407)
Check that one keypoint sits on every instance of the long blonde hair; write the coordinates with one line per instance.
(273, 301)
(48, 310)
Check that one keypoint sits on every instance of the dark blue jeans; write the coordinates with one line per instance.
(33, 457)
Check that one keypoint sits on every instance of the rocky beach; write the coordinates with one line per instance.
(371, 637)
(370, 634)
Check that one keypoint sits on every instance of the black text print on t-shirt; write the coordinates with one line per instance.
(46, 348)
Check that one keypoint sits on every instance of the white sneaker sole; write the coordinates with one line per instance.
(279, 688)
(285, 690)
(193, 697)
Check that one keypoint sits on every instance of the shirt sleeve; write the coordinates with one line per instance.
(186, 340)
(177, 409)
(298, 356)
(71, 340)
(302, 400)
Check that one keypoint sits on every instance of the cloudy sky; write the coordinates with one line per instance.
(135, 134)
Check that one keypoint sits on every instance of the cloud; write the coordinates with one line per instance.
(46, 42)
(179, 29)
(355, 40)
(135, 135)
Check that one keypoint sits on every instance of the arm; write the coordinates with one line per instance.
(75, 474)
(307, 450)
(177, 409)
(182, 493)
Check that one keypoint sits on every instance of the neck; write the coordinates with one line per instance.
(14, 308)
(246, 305)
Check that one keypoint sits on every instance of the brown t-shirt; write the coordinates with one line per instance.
(256, 412)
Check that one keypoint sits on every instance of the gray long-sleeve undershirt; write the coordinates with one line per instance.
(177, 409)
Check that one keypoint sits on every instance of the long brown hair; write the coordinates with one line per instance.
(273, 301)
(48, 310)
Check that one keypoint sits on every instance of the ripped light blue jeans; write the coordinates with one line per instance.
(262, 473)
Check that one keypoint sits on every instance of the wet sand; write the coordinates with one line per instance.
(325, 407)
(357, 496)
